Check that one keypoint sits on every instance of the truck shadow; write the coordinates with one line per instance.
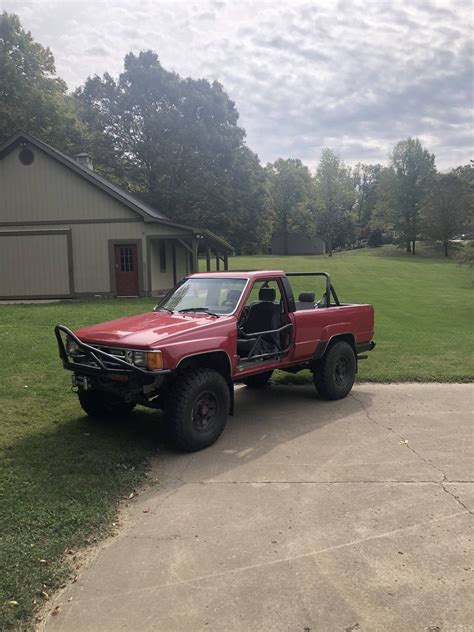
(80, 459)
(277, 418)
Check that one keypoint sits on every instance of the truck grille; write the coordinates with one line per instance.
(121, 354)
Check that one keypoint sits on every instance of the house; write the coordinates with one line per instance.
(297, 244)
(65, 231)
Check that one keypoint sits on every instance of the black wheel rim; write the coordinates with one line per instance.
(341, 371)
(204, 411)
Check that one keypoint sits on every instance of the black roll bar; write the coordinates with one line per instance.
(257, 336)
(329, 287)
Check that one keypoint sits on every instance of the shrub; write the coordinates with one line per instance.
(375, 238)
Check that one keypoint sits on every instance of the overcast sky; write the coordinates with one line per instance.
(353, 76)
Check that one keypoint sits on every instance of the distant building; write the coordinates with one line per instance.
(298, 244)
(65, 231)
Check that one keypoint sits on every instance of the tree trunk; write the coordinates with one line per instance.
(445, 244)
(329, 245)
(408, 247)
(285, 242)
(413, 247)
(285, 235)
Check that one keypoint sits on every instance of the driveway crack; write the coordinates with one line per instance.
(453, 495)
(442, 483)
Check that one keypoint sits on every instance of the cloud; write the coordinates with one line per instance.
(355, 75)
(97, 51)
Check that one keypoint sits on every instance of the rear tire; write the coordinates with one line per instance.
(196, 409)
(335, 372)
(258, 380)
(101, 405)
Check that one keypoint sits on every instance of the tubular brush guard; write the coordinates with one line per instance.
(98, 357)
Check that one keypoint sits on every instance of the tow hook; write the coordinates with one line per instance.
(80, 381)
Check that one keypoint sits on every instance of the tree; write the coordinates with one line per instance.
(466, 173)
(344, 234)
(175, 142)
(447, 209)
(466, 256)
(365, 179)
(291, 192)
(32, 98)
(334, 196)
(252, 215)
(403, 187)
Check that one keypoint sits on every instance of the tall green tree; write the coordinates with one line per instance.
(403, 187)
(251, 228)
(291, 190)
(32, 97)
(365, 179)
(334, 197)
(176, 142)
(466, 173)
(447, 209)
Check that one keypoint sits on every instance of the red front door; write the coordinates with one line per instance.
(126, 270)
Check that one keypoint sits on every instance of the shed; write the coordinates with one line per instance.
(65, 231)
(297, 244)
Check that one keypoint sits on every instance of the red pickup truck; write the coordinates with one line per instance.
(211, 331)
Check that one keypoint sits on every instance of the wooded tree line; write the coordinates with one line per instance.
(177, 144)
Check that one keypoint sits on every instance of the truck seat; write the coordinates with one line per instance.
(306, 300)
(262, 316)
(233, 297)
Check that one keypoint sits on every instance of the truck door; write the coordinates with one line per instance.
(308, 324)
(265, 310)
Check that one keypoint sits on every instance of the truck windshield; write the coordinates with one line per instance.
(217, 296)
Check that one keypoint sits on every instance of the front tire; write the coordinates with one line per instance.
(101, 405)
(335, 374)
(258, 380)
(196, 409)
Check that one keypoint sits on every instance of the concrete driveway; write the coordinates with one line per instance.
(305, 516)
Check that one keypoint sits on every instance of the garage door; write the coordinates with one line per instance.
(34, 264)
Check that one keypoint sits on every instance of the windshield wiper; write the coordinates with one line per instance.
(198, 309)
(161, 308)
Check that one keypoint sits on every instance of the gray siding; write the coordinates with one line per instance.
(90, 254)
(34, 265)
(298, 244)
(182, 262)
(49, 191)
(161, 280)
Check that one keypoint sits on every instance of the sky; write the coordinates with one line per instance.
(355, 76)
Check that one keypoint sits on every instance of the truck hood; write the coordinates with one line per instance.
(148, 330)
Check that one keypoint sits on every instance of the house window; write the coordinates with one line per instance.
(162, 249)
(126, 259)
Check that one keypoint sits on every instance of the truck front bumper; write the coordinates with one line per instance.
(94, 362)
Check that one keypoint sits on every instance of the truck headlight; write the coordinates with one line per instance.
(154, 360)
(72, 348)
(151, 360)
(139, 358)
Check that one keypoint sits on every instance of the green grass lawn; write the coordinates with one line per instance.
(61, 476)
